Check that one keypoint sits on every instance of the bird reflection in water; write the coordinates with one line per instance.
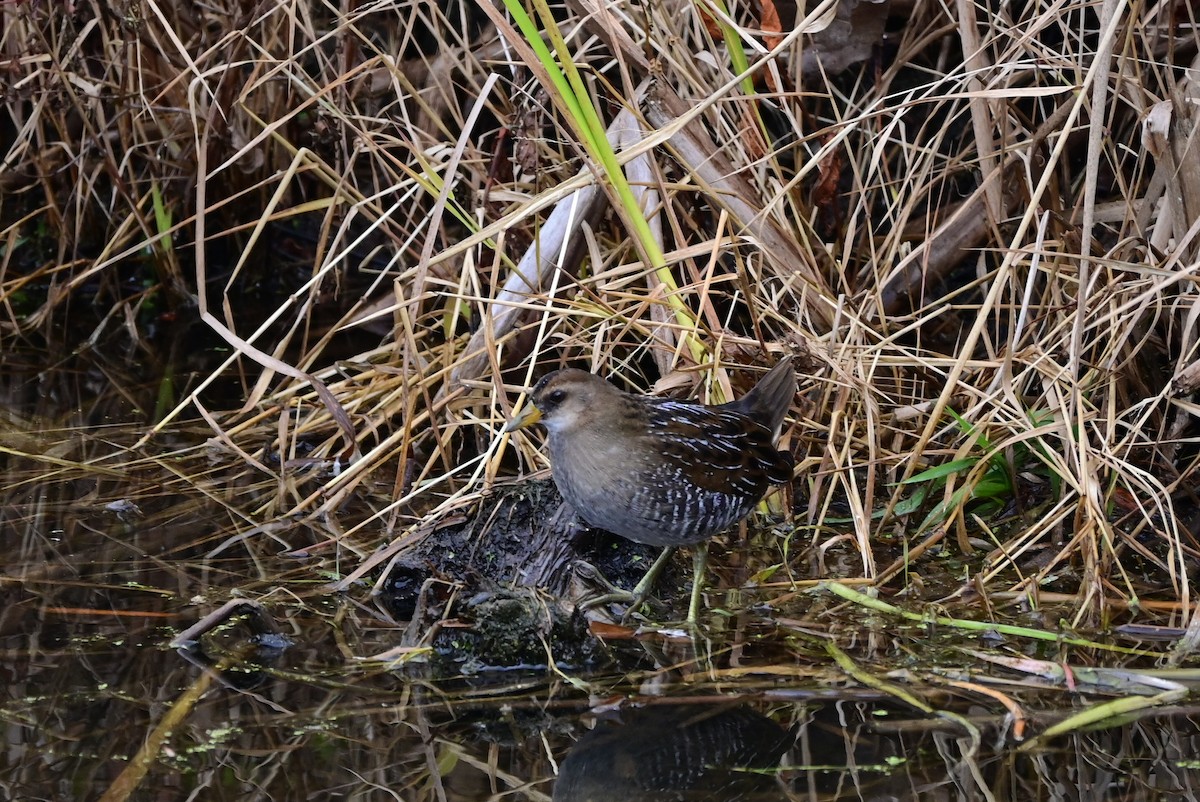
(682, 752)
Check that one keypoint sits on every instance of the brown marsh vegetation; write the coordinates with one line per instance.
(274, 274)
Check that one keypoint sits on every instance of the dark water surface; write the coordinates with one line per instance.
(299, 692)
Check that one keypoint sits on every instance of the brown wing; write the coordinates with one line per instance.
(724, 451)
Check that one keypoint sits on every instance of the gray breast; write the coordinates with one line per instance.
(655, 504)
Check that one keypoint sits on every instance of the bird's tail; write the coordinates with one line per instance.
(770, 399)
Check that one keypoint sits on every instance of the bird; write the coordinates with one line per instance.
(660, 471)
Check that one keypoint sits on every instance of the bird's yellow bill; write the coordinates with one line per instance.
(527, 417)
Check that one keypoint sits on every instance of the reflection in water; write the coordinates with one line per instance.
(689, 751)
(237, 639)
(93, 591)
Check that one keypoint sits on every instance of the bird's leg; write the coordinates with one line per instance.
(642, 589)
(699, 568)
(633, 598)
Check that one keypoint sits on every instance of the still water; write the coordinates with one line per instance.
(167, 636)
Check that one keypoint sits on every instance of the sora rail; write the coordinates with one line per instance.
(657, 471)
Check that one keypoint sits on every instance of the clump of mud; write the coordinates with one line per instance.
(498, 588)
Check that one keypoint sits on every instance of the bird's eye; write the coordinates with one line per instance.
(556, 396)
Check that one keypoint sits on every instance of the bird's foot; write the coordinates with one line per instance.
(632, 599)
